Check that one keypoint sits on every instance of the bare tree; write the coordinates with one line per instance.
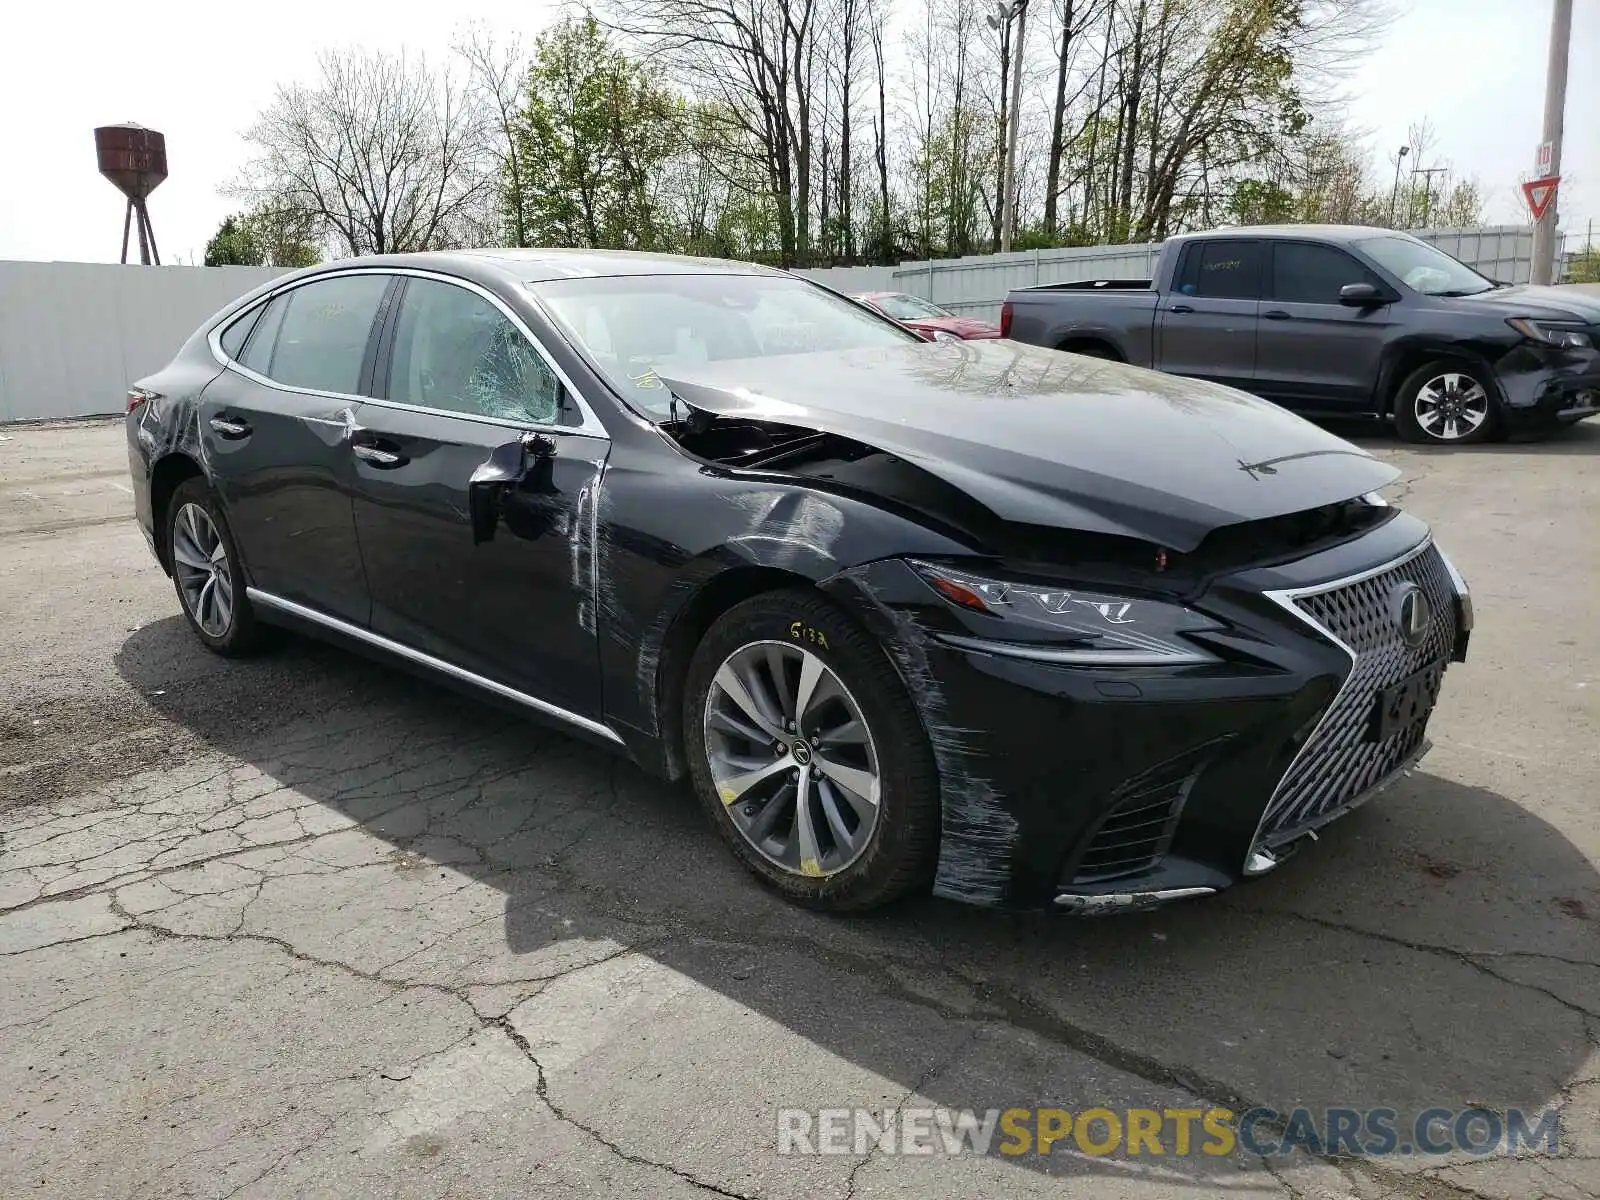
(497, 75)
(880, 136)
(385, 155)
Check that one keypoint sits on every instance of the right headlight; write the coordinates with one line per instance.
(1552, 333)
(1069, 624)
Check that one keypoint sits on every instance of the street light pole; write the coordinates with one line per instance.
(1555, 106)
(1008, 212)
(1394, 196)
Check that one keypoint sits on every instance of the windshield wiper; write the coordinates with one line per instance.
(1458, 293)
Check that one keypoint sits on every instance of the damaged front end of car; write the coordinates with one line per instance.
(1113, 688)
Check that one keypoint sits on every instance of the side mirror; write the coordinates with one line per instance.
(511, 468)
(1361, 295)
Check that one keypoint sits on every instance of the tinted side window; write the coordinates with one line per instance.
(233, 337)
(1307, 274)
(1222, 270)
(455, 351)
(323, 335)
(264, 338)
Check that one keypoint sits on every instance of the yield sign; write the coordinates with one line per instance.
(1539, 193)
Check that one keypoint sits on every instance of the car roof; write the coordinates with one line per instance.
(538, 264)
(1325, 233)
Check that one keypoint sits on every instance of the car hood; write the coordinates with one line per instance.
(1557, 303)
(1046, 438)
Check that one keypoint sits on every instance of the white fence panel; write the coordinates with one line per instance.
(854, 280)
(73, 336)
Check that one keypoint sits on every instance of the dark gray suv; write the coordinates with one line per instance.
(1339, 321)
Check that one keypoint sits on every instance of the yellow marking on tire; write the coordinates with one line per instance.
(808, 866)
(729, 795)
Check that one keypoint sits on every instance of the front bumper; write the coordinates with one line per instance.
(1106, 789)
(1544, 387)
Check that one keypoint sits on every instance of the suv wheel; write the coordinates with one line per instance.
(808, 756)
(1446, 402)
(205, 570)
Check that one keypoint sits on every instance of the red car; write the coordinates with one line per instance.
(928, 318)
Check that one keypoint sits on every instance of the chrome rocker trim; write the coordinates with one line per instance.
(1123, 902)
(268, 600)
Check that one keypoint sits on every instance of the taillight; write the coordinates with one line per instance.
(1005, 319)
(137, 396)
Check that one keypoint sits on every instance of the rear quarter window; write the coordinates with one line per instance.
(238, 331)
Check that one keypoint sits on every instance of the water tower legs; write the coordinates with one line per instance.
(148, 254)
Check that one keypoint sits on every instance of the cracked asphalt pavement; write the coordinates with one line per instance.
(306, 925)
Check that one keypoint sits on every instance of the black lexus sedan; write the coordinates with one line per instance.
(1024, 626)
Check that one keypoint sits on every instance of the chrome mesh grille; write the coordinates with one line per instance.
(1338, 761)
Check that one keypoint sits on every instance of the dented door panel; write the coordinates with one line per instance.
(516, 606)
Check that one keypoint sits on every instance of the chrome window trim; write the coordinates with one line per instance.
(590, 423)
(1285, 598)
(401, 650)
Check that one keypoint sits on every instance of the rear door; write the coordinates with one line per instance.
(1206, 325)
(1312, 352)
(272, 429)
(495, 577)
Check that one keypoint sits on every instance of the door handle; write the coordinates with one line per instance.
(376, 456)
(1276, 314)
(1181, 308)
(229, 428)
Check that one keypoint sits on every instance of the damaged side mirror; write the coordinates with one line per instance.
(515, 484)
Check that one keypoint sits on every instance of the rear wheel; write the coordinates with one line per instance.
(808, 756)
(205, 571)
(1446, 402)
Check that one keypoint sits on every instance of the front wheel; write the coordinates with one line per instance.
(1446, 403)
(808, 756)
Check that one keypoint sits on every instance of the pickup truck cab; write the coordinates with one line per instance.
(1338, 321)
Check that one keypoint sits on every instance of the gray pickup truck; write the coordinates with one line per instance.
(1339, 321)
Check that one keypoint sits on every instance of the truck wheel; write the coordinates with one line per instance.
(1446, 402)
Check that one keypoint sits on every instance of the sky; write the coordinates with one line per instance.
(200, 73)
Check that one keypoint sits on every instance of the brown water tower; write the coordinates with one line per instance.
(135, 159)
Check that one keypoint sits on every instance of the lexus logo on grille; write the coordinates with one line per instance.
(1412, 613)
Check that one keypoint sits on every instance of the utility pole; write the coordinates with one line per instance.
(1555, 107)
(1008, 214)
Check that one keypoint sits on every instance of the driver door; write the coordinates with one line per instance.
(475, 498)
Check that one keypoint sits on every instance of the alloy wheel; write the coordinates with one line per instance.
(792, 758)
(200, 560)
(1451, 406)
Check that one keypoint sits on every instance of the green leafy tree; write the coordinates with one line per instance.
(1584, 267)
(233, 245)
(593, 137)
(265, 237)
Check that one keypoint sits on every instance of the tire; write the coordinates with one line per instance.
(1447, 402)
(859, 856)
(206, 572)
